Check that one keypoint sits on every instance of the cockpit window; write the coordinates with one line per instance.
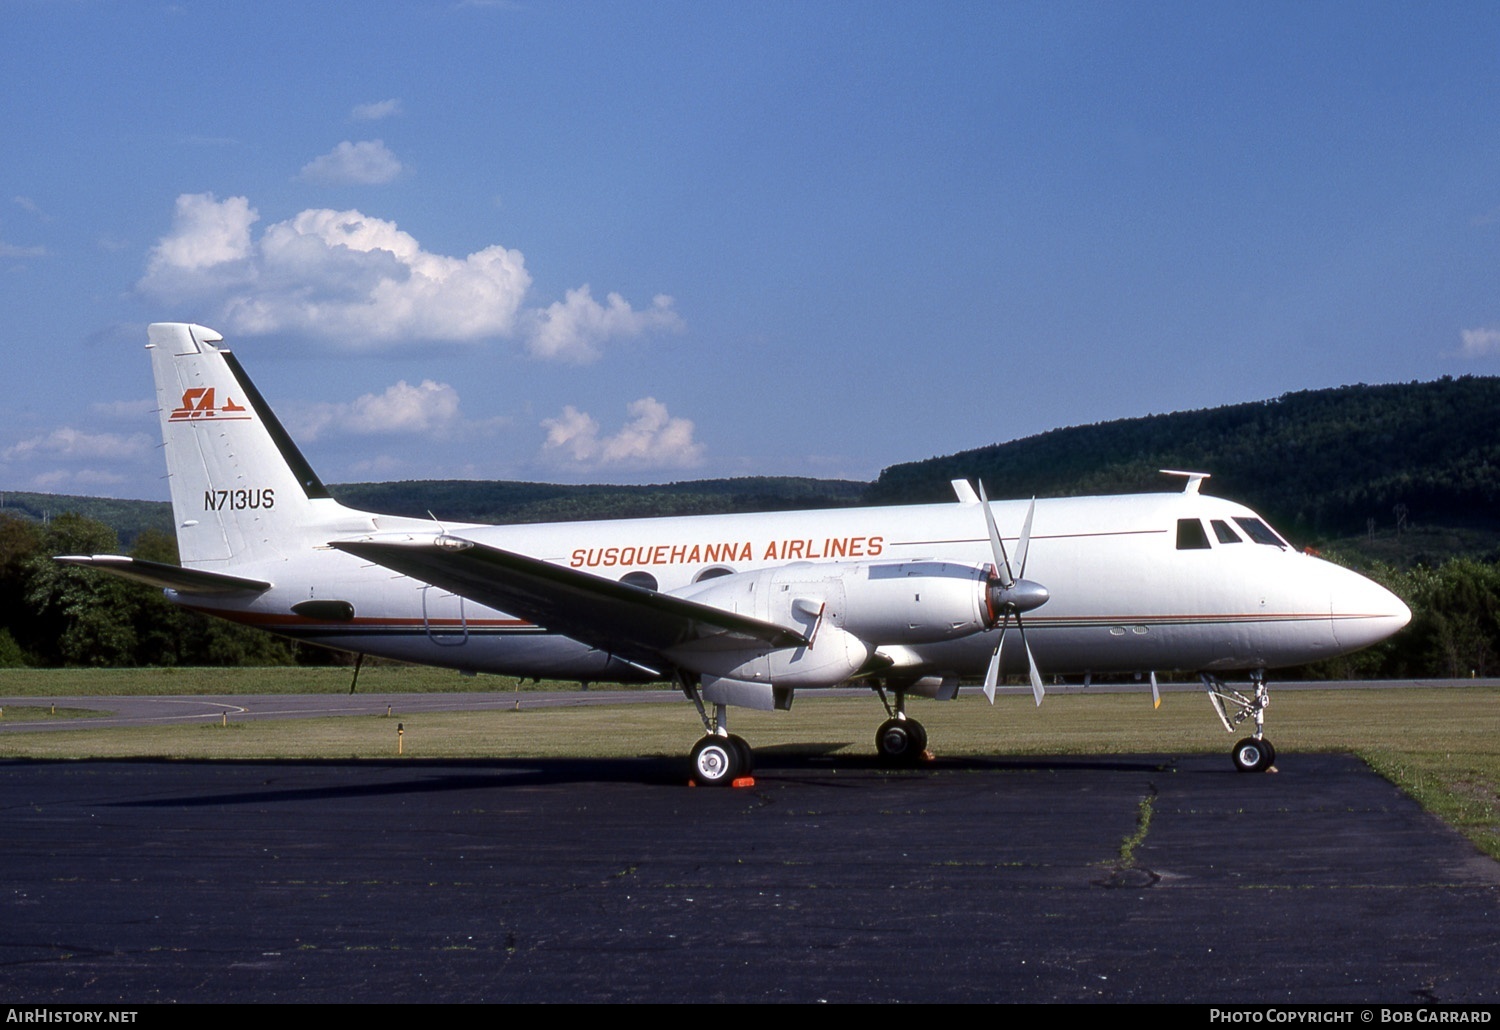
(1224, 533)
(1190, 535)
(1261, 533)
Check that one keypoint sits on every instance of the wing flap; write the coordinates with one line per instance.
(168, 577)
(626, 620)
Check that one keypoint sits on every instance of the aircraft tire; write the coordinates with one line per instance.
(746, 754)
(900, 741)
(1252, 755)
(715, 761)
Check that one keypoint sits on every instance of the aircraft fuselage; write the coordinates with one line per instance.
(1125, 597)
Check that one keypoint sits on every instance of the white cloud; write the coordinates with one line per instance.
(87, 461)
(360, 282)
(428, 408)
(85, 481)
(336, 275)
(572, 329)
(1479, 343)
(652, 439)
(207, 251)
(367, 163)
(75, 444)
(375, 111)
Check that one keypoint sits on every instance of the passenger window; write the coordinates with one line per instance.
(1261, 533)
(1224, 533)
(1190, 535)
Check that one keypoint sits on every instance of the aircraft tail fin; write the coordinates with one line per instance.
(241, 491)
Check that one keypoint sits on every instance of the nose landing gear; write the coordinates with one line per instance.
(1254, 753)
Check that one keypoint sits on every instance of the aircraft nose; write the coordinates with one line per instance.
(1364, 612)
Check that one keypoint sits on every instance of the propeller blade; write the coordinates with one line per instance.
(992, 674)
(1025, 542)
(1017, 596)
(1037, 690)
(997, 545)
(1155, 691)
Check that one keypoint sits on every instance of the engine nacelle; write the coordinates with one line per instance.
(835, 656)
(917, 602)
(845, 609)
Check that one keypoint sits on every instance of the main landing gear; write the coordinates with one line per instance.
(900, 740)
(719, 760)
(721, 757)
(1254, 753)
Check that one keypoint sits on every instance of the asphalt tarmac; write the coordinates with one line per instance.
(829, 880)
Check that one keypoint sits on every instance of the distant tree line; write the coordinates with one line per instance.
(54, 615)
(1320, 464)
(1323, 465)
(1454, 631)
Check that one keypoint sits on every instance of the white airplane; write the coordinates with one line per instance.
(743, 610)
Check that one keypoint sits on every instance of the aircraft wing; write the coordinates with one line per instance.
(169, 577)
(630, 621)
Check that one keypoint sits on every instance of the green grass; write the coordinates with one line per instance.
(1438, 744)
(381, 678)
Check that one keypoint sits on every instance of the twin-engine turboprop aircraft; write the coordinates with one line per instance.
(744, 609)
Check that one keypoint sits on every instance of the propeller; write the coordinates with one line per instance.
(1010, 594)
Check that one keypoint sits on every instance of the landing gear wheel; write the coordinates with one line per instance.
(1252, 755)
(746, 755)
(716, 762)
(901, 741)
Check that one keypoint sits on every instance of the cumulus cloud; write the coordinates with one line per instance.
(336, 275)
(573, 329)
(367, 163)
(72, 460)
(651, 439)
(75, 444)
(207, 251)
(427, 408)
(62, 481)
(375, 111)
(1479, 343)
(361, 282)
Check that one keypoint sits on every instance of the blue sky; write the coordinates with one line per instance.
(630, 242)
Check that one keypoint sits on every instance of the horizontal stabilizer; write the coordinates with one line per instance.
(168, 577)
(629, 621)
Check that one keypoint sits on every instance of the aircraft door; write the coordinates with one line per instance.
(443, 617)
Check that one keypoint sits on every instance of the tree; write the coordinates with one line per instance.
(81, 617)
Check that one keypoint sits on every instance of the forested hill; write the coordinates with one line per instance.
(487, 501)
(508, 502)
(1319, 463)
(127, 518)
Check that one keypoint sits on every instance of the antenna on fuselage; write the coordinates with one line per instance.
(1194, 479)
